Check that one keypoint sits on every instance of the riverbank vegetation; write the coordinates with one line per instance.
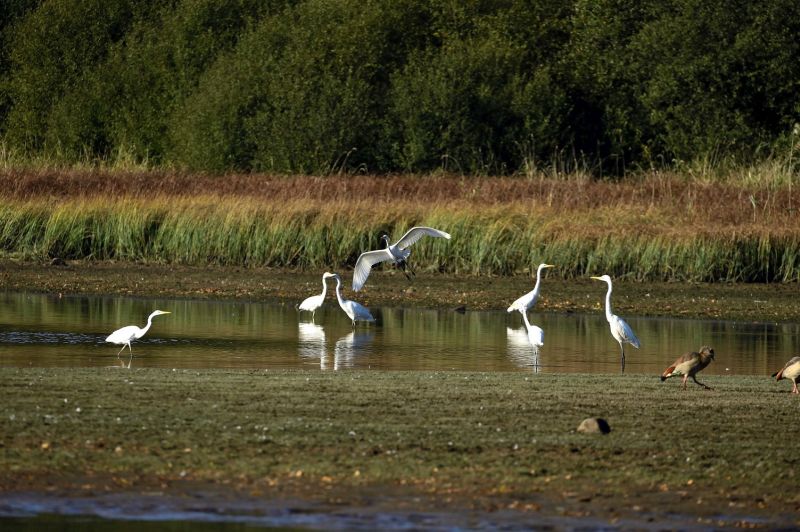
(493, 441)
(486, 87)
(657, 227)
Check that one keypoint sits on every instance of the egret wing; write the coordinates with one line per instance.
(624, 332)
(360, 312)
(311, 303)
(415, 233)
(524, 302)
(365, 263)
(123, 335)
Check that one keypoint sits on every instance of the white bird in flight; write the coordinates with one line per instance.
(526, 302)
(397, 253)
(620, 330)
(355, 311)
(126, 335)
(312, 303)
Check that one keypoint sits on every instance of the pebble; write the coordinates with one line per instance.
(594, 425)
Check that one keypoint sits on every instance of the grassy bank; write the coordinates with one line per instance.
(492, 440)
(658, 227)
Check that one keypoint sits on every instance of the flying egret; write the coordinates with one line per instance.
(397, 253)
(790, 371)
(689, 365)
(126, 335)
(526, 302)
(355, 311)
(620, 330)
(312, 303)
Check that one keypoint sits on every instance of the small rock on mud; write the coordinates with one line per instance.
(594, 425)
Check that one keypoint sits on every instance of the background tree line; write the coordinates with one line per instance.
(473, 86)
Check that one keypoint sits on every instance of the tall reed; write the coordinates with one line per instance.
(503, 238)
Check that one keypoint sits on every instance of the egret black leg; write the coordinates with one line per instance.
(622, 349)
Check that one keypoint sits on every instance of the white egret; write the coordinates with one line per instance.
(312, 303)
(355, 311)
(126, 335)
(397, 253)
(689, 365)
(790, 371)
(620, 330)
(526, 302)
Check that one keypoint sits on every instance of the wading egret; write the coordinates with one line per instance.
(314, 302)
(527, 301)
(355, 311)
(620, 330)
(790, 371)
(126, 335)
(689, 365)
(397, 253)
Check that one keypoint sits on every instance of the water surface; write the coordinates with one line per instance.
(42, 330)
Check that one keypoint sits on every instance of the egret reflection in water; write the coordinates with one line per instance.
(311, 343)
(520, 350)
(349, 347)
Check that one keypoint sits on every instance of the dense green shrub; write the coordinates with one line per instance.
(480, 86)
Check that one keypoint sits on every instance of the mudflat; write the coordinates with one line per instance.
(444, 440)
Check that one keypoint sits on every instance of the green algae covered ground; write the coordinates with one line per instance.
(444, 440)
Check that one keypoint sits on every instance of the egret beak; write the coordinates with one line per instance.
(549, 266)
(596, 278)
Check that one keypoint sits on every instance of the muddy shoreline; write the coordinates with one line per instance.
(778, 302)
(497, 447)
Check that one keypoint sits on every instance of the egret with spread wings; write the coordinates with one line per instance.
(397, 253)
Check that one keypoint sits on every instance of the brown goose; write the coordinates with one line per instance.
(790, 371)
(689, 365)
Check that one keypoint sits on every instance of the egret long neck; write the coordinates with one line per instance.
(142, 332)
(324, 287)
(608, 303)
(538, 280)
(339, 292)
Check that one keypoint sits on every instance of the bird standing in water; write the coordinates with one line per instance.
(126, 335)
(620, 330)
(312, 303)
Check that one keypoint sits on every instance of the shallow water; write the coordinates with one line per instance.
(42, 330)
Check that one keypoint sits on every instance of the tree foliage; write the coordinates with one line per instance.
(480, 86)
